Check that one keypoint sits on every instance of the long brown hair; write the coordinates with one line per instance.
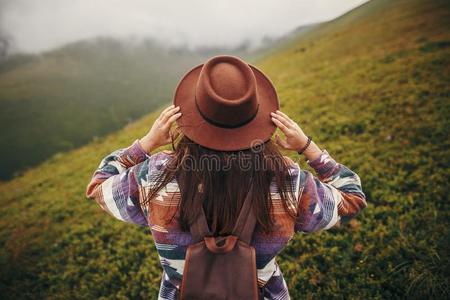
(220, 180)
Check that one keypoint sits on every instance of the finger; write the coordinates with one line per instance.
(166, 109)
(283, 120)
(284, 117)
(172, 119)
(280, 125)
(279, 112)
(169, 113)
(282, 143)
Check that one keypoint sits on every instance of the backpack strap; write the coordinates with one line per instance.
(245, 223)
(199, 229)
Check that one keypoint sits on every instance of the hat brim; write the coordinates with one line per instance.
(192, 124)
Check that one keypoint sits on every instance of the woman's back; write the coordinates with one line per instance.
(172, 242)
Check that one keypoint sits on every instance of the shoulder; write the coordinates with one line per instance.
(293, 167)
(154, 166)
(159, 159)
(295, 172)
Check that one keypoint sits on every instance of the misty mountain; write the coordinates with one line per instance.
(58, 100)
(61, 99)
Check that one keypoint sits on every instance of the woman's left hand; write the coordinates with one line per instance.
(159, 134)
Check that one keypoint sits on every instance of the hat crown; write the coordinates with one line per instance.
(227, 81)
(226, 92)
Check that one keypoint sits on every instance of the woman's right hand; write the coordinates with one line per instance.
(295, 139)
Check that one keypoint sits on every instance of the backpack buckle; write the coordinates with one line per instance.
(220, 245)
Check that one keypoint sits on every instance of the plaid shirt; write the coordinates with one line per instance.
(119, 183)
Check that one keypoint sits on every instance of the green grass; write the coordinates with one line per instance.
(371, 88)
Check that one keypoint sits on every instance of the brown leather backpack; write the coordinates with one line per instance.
(221, 268)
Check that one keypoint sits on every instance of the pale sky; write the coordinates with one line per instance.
(38, 25)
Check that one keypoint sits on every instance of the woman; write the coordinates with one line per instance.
(227, 112)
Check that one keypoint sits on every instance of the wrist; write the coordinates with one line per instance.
(312, 152)
(303, 139)
(147, 144)
(304, 144)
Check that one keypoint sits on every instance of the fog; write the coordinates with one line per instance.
(33, 26)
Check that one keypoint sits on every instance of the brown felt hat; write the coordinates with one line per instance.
(226, 104)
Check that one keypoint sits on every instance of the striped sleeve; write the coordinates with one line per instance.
(115, 184)
(335, 193)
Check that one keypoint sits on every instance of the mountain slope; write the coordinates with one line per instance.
(59, 100)
(64, 98)
(370, 87)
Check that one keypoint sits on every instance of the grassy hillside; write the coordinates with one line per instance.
(371, 87)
